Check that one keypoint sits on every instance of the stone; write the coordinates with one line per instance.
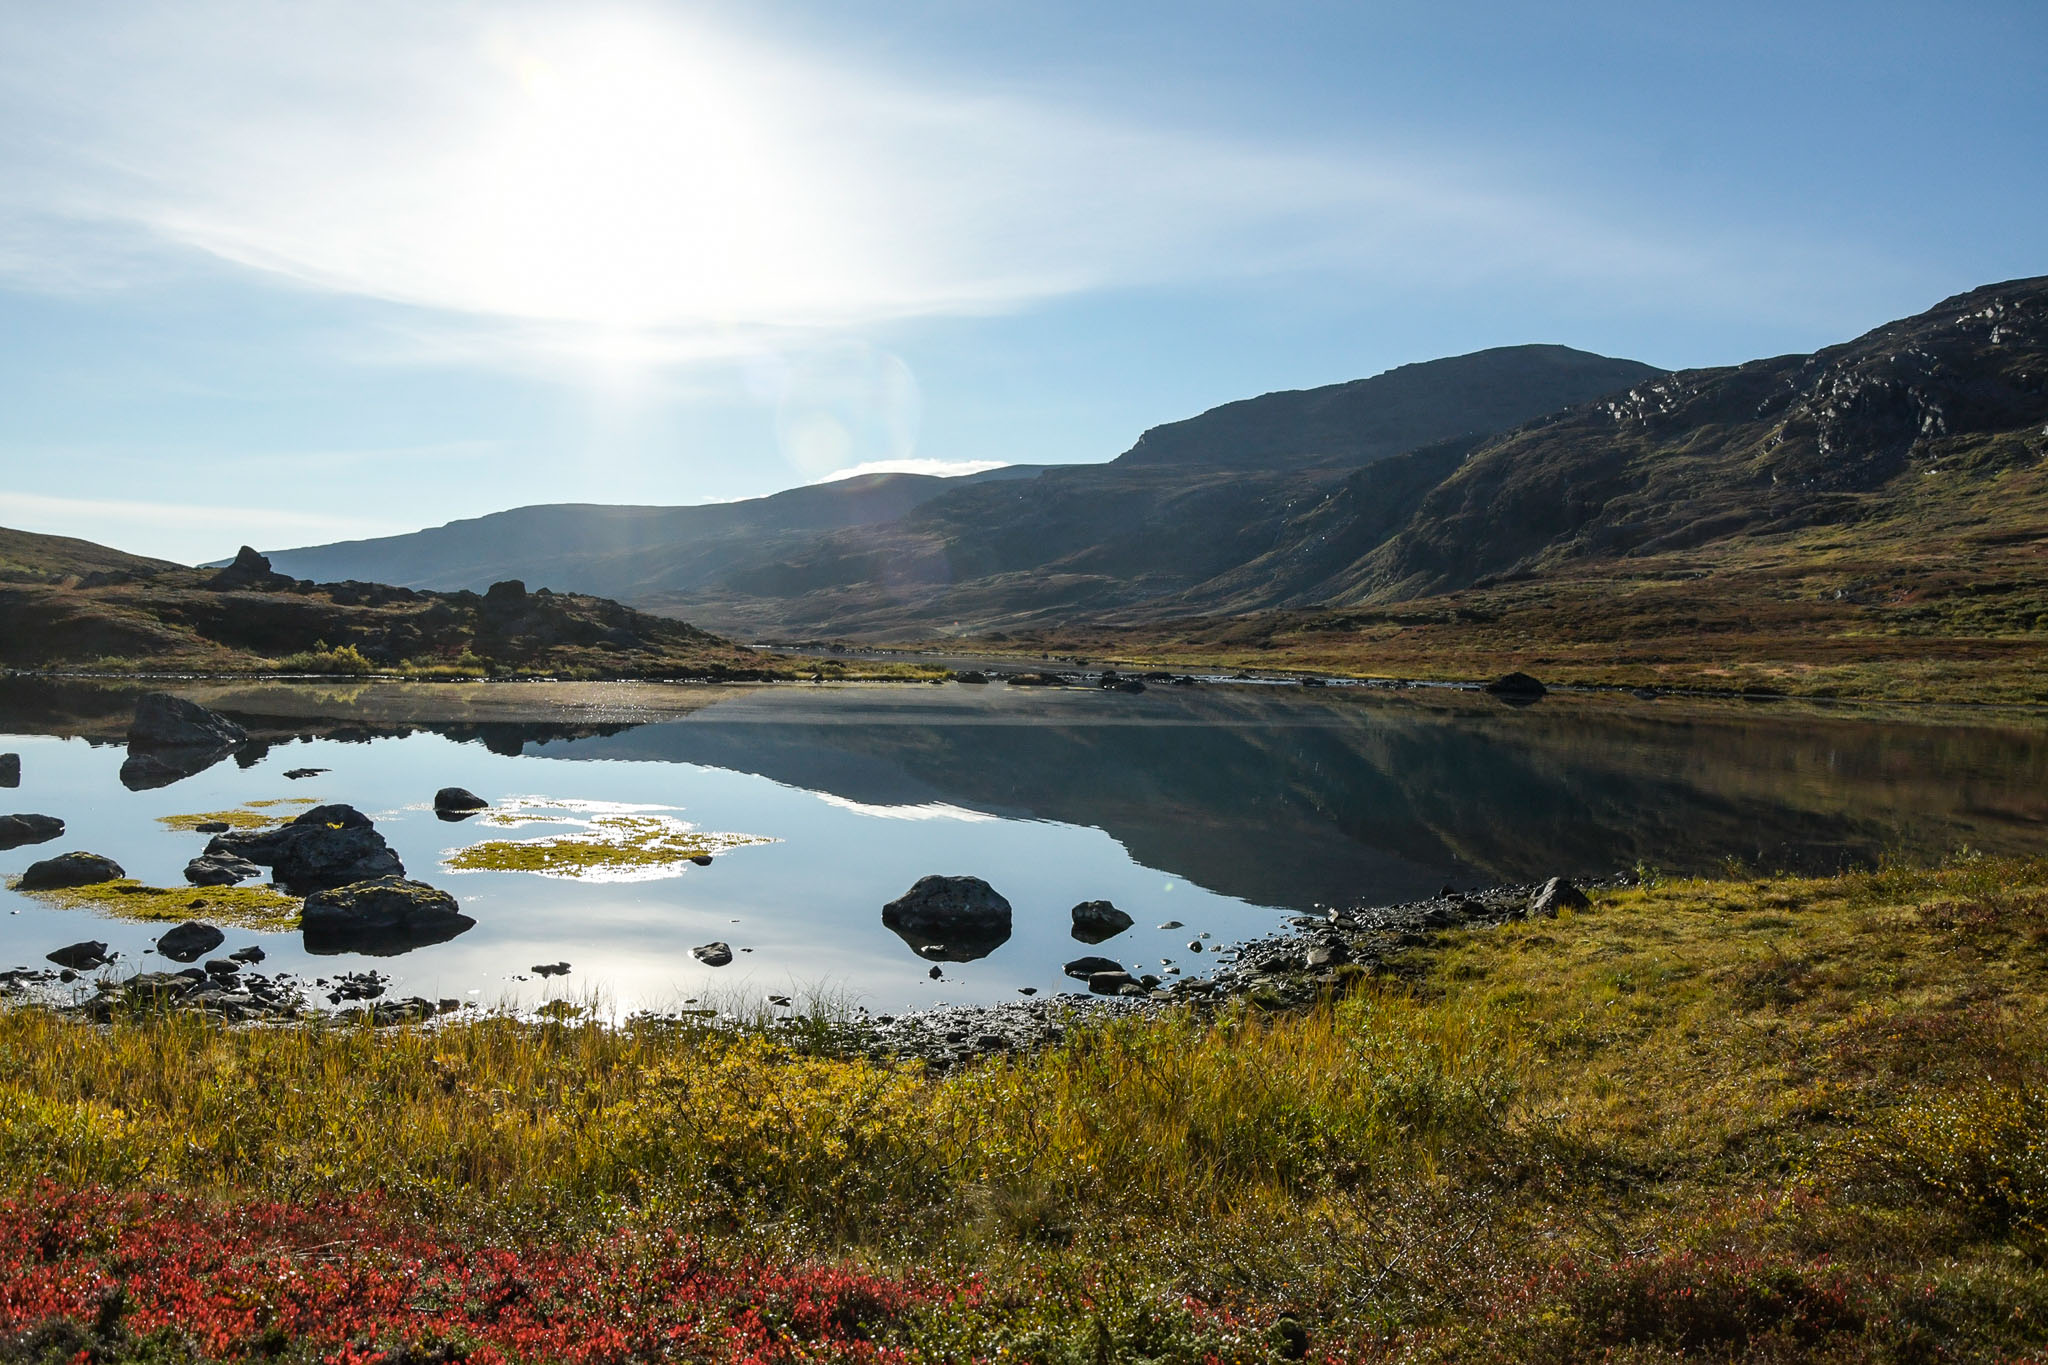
(250, 571)
(551, 969)
(67, 870)
(221, 966)
(220, 869)
(1095, 921)
(148, 769)
(10, 770)
(380, 915)
(1517, 685)
(970, 675)
(1081, 968)
(172, 722)
(325, 848)
(1555, 895)
(190, 941)
(1112, 983)
(712, 954)
(955, 919)
(81, 956)
(458, 799)
(17, 830)
(296, 774)
(252, 954)
(212, 827)
(1327, 955)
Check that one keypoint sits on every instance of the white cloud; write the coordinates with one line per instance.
(942, 468)
(635, 187)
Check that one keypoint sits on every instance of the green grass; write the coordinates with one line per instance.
(1768, 1119)
(609, 844)
(245, 907)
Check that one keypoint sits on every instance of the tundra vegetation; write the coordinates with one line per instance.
(1745, 1119)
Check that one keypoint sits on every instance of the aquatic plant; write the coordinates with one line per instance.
(606, 847)
(247, 907)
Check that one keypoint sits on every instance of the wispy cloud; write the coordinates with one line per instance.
(646, 186)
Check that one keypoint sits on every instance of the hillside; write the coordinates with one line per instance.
(246, 618)
(26, 557)
(901, 554)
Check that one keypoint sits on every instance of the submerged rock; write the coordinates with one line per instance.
(326, 847)
(81, 956)
(220, 869)
(190, 941)
(383, 916)
(17, 830)
(67, 870)
(954, 919)
(147, 769)
(1095, 921)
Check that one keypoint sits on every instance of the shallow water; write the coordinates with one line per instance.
(1225, 808)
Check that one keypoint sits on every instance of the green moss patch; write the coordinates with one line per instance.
(607, 848)
(233, 819)
(244, 907)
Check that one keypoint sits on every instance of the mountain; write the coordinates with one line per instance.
(902, 554)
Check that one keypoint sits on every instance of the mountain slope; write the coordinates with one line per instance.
(28, 557)
(903, 554)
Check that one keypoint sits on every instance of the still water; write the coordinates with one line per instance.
(1227, 809)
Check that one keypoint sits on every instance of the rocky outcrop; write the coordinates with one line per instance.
(67, 870)
(382, 916)
(1095, 921)
(190, 941)
(19, 830)
(250, 572)
(1555, 895)
(326, 847)
(951, 919)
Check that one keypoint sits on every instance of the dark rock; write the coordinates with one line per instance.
(712, 954)
(10, 770)
(1555, 895)
(458, 799)
(1081, 968)
(936, 973)
(212, 827)
(327, 847)
(962, 918)
(1194, 945)
(1517, 685)
(162, 720)
(220, 869)
(701, 859)
(221, 966)
(190, 941)
(380, 915)
(1130, 685)
(1095, 921)
(250, 572)
(252, 953)
(296, 773)
(1331, 954)
(1118, 982)
(17, 830)
(969, 675)
(83, 957)
(69, 870)
(1027, 990)
(551, 969)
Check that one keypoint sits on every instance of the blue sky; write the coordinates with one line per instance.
(295, 273)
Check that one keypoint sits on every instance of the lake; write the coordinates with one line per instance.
(1226, 809)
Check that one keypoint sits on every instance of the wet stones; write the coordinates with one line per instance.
(953, 919)
(324, 848)
(381, 915)
(458, 803)
(713, 954)
(190, 941)
(1097, 921)
(82, 957)
(1081, 968)
(18, 830)
(67, 870)
(220, 869)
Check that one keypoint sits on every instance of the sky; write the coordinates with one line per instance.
(292, 273)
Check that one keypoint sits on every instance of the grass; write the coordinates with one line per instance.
(244, 907)
(1757, 1120)
(609, 846)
